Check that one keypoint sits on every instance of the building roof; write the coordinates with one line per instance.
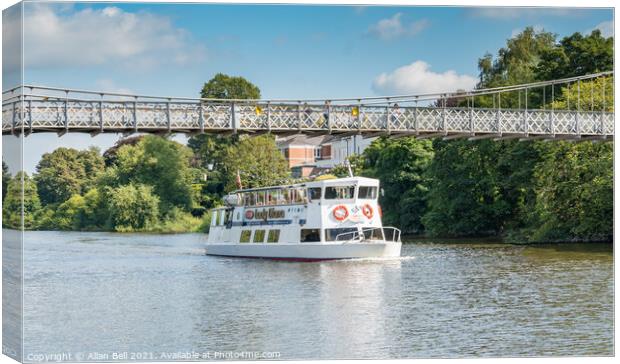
(301, 139)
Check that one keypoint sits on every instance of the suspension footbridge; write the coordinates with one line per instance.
(35, 109)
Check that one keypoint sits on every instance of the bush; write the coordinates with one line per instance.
(177, 221)
(132, 207)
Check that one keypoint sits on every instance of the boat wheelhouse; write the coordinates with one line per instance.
(329, 219)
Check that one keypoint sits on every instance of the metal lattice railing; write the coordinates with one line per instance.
(32, 109)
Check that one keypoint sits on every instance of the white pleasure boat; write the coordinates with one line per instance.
(329, 219)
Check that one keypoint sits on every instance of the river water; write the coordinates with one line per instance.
(98, 295)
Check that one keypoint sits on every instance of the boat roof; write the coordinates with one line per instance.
(326, 182)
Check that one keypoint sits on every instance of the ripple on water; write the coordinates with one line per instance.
(158, 293)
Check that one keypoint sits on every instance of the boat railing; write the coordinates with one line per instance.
(389, 233)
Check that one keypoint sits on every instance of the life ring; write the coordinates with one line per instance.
(340, 212)
(367, 211)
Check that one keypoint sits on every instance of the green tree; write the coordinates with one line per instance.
(222, 86)
(210, 150)
(400, 166)
(6, 178)
(465, 198)
(20, 189)
(132, 207)
(588, 95)
(94, 213)
(576, 55)
(574, 193)
(66, 172)
(160, 163)
(66, 216)
(258, 161)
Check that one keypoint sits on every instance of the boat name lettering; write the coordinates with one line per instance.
(265, 214)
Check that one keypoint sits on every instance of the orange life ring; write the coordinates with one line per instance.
(367, 211)
(340, 212)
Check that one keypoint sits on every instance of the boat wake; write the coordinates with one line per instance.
(375, 259)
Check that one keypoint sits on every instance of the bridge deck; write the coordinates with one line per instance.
(111, 116)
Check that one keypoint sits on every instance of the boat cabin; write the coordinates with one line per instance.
(328, 211)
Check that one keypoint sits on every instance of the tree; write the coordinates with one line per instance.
(257, 160)
(577, 55)
(210, 149)
(66, 216)
(132, 207)
(66, 172)
(20, 189)
(514, 64)
(160, 163)
(593, 95)
(400, 165)
(109, 156)
(465, 198)
(222, 86)
(574, 193)
(6, 178)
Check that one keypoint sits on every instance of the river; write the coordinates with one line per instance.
(95, 295)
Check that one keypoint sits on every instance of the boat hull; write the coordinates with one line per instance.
(307, 251)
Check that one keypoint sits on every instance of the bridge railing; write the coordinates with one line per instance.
(44, 109)
(55, 114)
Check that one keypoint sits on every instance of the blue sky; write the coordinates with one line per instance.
(288, 51)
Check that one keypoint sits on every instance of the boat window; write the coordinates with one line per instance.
(259, 236)
(339, 192)
(367, 192)
(274, 236)
(214, 218)
(314, 193)
(300, 195)
(260, 198)
(345, 234)
(373, 234)
(221, 214)
(310, 235)
(245, 236)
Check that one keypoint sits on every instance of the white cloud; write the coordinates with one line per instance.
(108, 85)
(606, 28)
(417, 78)
(504, 13)
(60, 37)
(391, 28)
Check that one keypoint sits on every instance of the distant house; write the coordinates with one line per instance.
(314, 155)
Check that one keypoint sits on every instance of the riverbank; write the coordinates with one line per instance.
(499, 240)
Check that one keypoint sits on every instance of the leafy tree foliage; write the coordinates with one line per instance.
(486, 187)
(576, 55)
(574, 193)
(222, 86)
(6, 178)
(593, 95)
(66, 172)
(21, 188)
(258, 161)
(210, 150)
(400, 165)
(160, 163)
(132, 207)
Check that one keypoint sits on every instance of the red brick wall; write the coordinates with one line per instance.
(300, 155)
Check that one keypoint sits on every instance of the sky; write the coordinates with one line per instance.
(293, 51)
